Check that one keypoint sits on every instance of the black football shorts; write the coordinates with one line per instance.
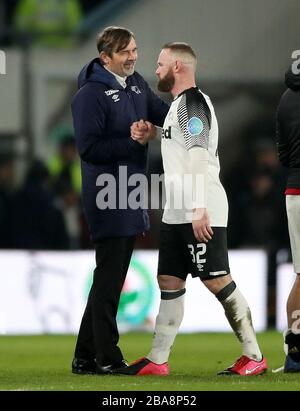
(181, 254)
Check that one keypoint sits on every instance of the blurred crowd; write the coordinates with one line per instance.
(44, 210)
(255, 187)
(47, 22)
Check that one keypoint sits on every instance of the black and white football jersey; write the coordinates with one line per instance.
(191, 122)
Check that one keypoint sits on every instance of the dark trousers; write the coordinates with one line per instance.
(98, 334)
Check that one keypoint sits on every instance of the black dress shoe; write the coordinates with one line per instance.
(82, 366)
(111, 369)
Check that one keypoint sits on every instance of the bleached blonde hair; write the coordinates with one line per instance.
(183, 52)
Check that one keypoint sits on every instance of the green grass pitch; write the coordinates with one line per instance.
(42, 363)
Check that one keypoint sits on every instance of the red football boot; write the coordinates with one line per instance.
(246, 366)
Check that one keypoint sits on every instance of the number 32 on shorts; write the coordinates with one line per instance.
(196, 254)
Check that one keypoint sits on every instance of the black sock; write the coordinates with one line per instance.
(293, 342)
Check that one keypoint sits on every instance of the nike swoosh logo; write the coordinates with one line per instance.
(252, 370)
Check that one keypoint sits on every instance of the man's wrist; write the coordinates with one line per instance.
(198, 213)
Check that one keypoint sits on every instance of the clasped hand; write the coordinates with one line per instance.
(142, 131)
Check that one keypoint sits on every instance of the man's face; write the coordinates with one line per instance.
(164, 71)
(123, 62)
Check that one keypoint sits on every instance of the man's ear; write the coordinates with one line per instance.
(104, 58)
(177, 66)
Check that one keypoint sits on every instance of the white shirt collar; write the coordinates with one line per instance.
(120, 80)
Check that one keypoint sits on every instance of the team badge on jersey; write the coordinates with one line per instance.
(194, 126)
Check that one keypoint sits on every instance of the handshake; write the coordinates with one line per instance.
(143, 131)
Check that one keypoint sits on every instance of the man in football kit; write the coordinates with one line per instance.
(288, 137)
(193, 235)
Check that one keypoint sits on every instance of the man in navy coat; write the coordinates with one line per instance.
(111, 96)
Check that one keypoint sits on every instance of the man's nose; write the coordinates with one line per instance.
(132, 55)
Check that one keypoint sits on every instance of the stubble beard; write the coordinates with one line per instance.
(129, 71)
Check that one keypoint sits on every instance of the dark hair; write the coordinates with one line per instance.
(181, 48)
(113, 39)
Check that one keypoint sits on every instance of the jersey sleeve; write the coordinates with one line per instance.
(194, 118)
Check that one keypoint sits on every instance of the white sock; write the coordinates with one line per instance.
(167, 323)
(238, 314)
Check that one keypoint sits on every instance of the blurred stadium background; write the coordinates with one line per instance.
(244, 48)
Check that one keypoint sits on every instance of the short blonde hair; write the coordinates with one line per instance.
(183, 51)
